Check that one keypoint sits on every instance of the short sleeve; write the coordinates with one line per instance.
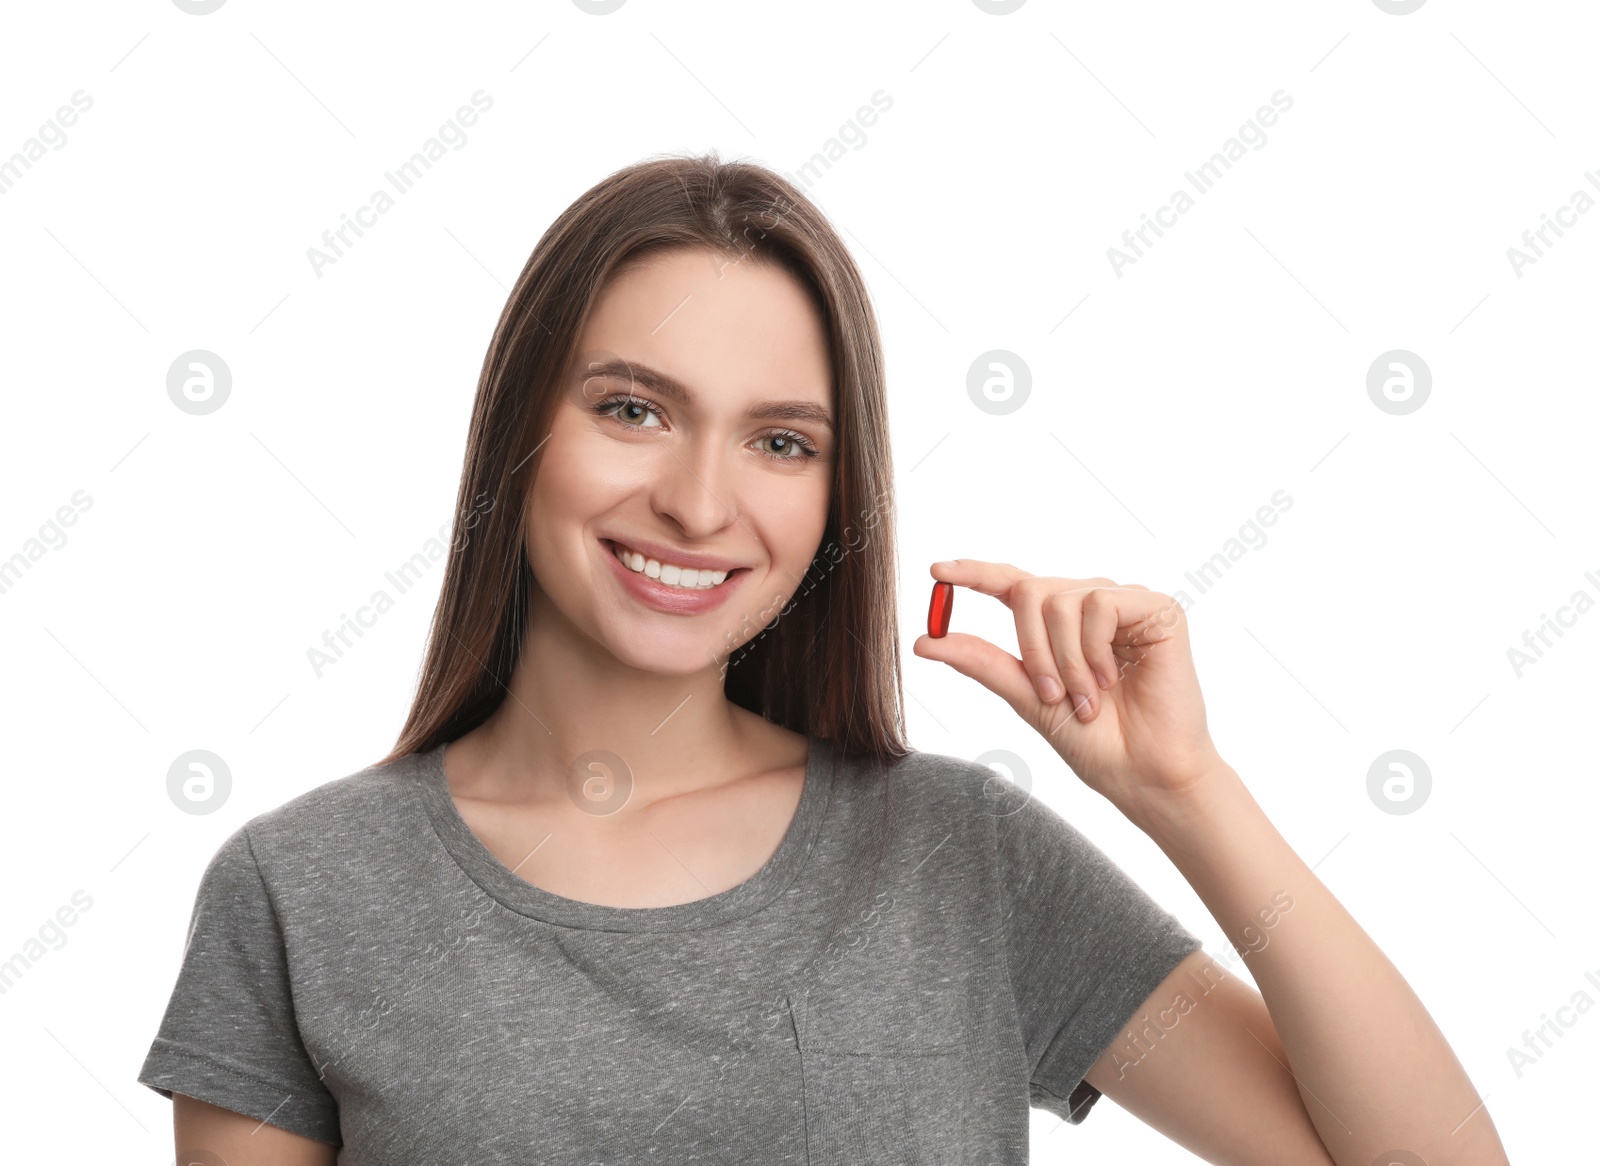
(229, 1035)
(1086, 947)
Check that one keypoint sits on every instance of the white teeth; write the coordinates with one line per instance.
(670, 574)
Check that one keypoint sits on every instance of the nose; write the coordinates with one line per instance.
(697, 487)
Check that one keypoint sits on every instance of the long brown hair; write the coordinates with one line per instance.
(826, 664)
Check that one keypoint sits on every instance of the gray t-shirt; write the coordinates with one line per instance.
(927, 953)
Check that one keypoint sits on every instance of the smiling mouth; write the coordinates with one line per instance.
(670, 574)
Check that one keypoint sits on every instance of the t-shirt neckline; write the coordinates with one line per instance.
(521, 896)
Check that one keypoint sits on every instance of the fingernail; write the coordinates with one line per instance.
(1101, 677)
(947, 564)
(1049, 690)
(1081, 704)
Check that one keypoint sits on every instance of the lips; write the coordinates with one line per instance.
(669, 599)
(667, 556)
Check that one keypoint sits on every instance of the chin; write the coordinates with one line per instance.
(666, 654)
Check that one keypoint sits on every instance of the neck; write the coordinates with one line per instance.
(674, 732)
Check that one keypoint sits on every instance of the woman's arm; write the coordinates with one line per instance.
(1108, 679)
(199, 1127)
(1335, 1028)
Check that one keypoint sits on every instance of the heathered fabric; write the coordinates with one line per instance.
(362, 970)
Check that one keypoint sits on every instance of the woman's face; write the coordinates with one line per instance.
(727, 473)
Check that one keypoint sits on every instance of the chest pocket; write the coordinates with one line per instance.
(881, 1098)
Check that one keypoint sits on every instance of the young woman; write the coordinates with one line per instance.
(651, 874)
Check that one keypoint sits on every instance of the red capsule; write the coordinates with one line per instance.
(944, 597)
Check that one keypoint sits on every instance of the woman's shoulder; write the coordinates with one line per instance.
(956, 773)
(344, 815)
(996, 781)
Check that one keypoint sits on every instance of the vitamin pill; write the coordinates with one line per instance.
(944, 595)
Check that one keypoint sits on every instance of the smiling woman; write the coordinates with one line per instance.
(619, 897)
(701, 392)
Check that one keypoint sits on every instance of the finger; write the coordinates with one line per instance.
(1062, 612)
(1153, 618)
(1034, 639)
(999, 579)
(1143, 618)
(1100, 621)
(994, 579)
(1094, 648)
(994, 668)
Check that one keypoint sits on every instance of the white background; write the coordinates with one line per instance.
(1168, 404)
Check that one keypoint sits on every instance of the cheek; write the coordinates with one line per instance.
(794, 522)
(569, 489)
(797, 511)
(578, 475)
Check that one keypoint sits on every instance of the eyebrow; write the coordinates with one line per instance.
(659, 382)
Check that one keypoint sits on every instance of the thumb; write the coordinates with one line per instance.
(994, 668)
